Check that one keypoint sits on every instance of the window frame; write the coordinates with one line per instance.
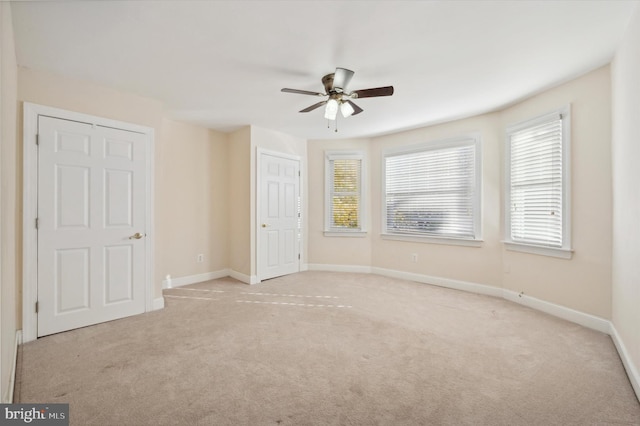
(330, 231)
(565, 251)
(472, 139)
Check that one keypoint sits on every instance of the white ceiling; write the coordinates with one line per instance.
(222, 64)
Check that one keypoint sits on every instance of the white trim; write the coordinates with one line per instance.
(565, 251)
(356, 234)
(524, 124)
(158, 303)
(462, 140)
(192, 279)
(255, 279)
(150, 221)
(627, 362)
(85, 118)
(441, 282)
(260, 150)
(468, 139)
(590, 321)
(332, 155)
(433, 240)
(247, 279)
(30, 202)
(340, 268)
(587, 320)
(8, 397)
(541, 250)
(29, 212)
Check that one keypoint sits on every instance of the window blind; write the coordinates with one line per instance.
(536, 184)
(432, 192)
(345, 193)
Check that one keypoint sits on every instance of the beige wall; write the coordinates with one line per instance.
(476, 265)
(582, 283)
(243, 148)
(472, 264)
(191, 173)
(80, 96)
(192, 201)
(355, 251)
(626, 193)
(240, 202)
(10, 200)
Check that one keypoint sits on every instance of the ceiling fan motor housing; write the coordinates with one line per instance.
(327, 81)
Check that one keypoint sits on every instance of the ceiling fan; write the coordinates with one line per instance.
(338, 98)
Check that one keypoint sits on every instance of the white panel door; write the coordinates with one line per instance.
(91, 224)
(279, 246)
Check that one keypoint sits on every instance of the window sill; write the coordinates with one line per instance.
(357, 234)
(433, 240)
(561, 253)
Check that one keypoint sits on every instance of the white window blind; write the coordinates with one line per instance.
(344, 195)
(537, 191)
(536, 183)
(433, 191)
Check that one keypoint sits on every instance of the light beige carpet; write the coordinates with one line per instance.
(320, 348)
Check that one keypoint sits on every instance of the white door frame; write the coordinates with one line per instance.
(259, 152)
(30, 206)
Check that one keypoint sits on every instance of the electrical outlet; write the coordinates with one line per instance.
(200, 258)
(414, 257)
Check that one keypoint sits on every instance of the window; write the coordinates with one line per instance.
(432, 191)
(343, 193)
(537, 185)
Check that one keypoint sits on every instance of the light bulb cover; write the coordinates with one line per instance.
(331, 110)
(346, 109)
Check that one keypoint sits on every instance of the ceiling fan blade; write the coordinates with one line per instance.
(302, 92)
(341, 78)
(314, 106)
(356, 108)
(371, 93)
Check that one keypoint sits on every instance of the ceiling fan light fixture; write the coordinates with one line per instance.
(331, 110)
(338, 97)
(346, 109)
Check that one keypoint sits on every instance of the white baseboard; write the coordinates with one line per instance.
(192, 279)
(587, 320)
(8, 396)
(629, 366)
(426, 279)
(441, 282)
(158, 303)
(170, 282)
(247, 279)
(590, 321)
(339, 268)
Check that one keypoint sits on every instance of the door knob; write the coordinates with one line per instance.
(264, 225)
(136, 236)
